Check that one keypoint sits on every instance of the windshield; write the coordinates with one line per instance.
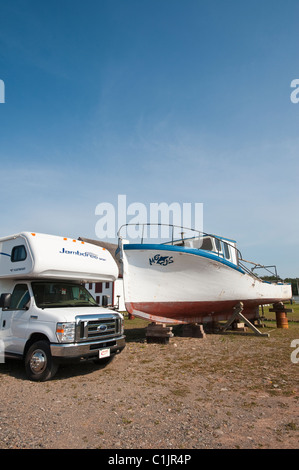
(61, 294)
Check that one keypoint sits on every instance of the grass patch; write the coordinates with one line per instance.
(135, 329)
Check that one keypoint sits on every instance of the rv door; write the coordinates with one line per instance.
(14, 320)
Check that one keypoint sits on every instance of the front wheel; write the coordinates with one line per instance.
(39, 363)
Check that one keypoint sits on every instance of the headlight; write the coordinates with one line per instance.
(65, 332)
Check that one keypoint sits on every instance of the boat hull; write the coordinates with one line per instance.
(175, 285)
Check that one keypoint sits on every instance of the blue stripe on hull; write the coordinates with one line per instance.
(181, 249)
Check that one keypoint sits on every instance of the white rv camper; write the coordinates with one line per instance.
(46, 314)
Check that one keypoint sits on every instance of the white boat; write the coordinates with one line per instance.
(198, 279)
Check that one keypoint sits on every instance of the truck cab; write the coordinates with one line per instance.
(47, 316)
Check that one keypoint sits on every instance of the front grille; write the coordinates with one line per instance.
(93, 328)
(99, 328)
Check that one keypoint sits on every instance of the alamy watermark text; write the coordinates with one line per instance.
(2, 91)
(295, 93)
(138, 215)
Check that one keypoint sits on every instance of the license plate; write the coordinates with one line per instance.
(104, 353)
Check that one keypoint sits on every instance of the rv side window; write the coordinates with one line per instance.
(18, 253)
(20, 297)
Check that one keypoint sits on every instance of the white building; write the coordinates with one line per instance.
(113, 291)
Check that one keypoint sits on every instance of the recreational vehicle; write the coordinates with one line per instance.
(46, 314)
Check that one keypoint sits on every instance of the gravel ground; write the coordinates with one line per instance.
(220, 392)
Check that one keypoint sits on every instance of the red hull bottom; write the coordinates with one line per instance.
(194, 312)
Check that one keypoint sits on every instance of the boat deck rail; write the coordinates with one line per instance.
(259, 266)
(173, 241)
(240, 261)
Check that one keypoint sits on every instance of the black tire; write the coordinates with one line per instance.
(39, 363)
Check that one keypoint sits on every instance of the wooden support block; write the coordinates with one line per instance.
(193, 330)
(239, 326)
(158, 333)
(258, 322)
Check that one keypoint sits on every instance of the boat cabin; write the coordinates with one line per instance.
(223, 247)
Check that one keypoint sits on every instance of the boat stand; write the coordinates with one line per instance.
(237, 315)
(281, 314)
(158, 333)
(193, 330)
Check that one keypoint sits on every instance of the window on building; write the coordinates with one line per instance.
(107, 285)
(99, 288)
(90, 285)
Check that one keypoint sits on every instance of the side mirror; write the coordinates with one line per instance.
(5, 300)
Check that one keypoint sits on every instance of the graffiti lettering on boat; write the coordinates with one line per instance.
(161, 260)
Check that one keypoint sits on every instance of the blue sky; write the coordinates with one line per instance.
(159, 100)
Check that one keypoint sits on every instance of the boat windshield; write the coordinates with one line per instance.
(57, 294)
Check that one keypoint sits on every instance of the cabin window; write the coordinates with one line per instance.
(206, 244)
(218, 244)
(18, 253)
(20, 297)
(226, 251)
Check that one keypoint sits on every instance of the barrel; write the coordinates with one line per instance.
(281, 320)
